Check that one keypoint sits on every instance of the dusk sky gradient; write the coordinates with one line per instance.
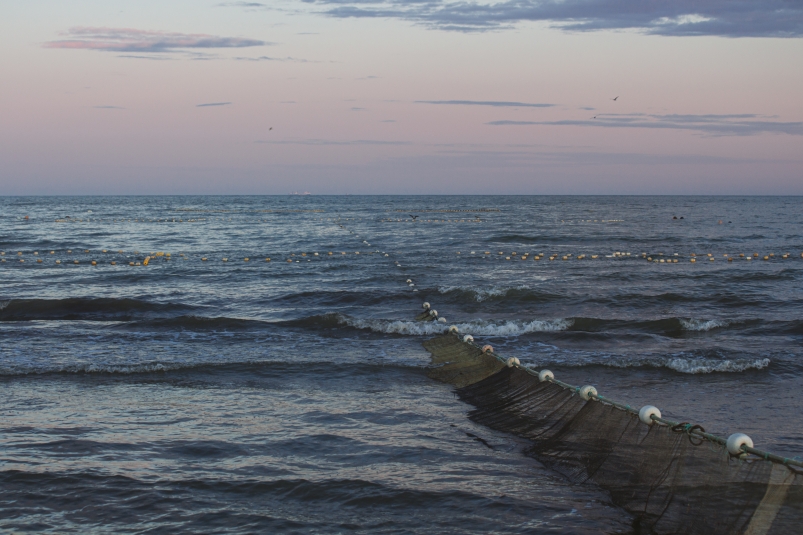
(401, 97)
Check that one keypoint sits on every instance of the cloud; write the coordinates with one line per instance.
(323, 142)
(745, 124)
(157, 58)
(143, 41)
(210, 104)
(243, 4)
(727, 18)
(495, 103)
(269, 58)
(247, 6)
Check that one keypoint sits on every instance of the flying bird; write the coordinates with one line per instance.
(615, 99)
(269, 129)
(594, 117)
(414, 217)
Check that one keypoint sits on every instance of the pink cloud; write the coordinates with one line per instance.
(132, 40)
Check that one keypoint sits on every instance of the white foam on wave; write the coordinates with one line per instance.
(690, 365)
(483, 294)
(509, 328)
(695, 366)
(698, 325)
(4, 304)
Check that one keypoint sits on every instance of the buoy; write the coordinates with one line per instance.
(131, 263)
(409, 281)
(587, 391)
(433, 313)
(766, 258)
(38, 260)
(454, 329)
(94, 263)
(711, 259)
(267, 259)
(426, 306)
(75, 261)
(225, 259)
(246, 259)
(441, 320)
(57, 261)
(512, 361)
(203, 259)
(545, 375)
(736, 441)
(468, 338)
(487, 349)
(730, 259)
(646, 412)
(36, 253)
(147, 259)
(114, 263)
(290, 260)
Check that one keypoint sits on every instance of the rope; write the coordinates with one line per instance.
(684, 427)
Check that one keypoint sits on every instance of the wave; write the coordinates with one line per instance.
(517, 293)
(686, 365)
(196, 323)
(507, 328)
(82, 308)
(327, 367)
(698, 325)
(690, 365)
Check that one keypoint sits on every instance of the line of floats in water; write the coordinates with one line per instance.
(293, 257)
(657, 257)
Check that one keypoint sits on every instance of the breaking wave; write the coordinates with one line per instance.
(698, 325)
(507, 328)
(479, 295)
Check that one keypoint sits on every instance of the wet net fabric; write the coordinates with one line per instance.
(669, 481)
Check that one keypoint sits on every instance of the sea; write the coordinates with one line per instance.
(264, 373)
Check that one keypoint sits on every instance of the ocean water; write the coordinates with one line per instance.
(214, 396)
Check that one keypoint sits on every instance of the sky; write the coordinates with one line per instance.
(401, 97)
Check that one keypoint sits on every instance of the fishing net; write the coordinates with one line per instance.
(670, 480)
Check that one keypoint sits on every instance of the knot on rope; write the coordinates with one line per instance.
(686, 427)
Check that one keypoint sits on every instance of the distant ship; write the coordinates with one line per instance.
(297, 193)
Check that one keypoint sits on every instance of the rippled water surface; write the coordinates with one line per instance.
(201, 395)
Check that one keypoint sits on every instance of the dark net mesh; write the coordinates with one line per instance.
(671, 482)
